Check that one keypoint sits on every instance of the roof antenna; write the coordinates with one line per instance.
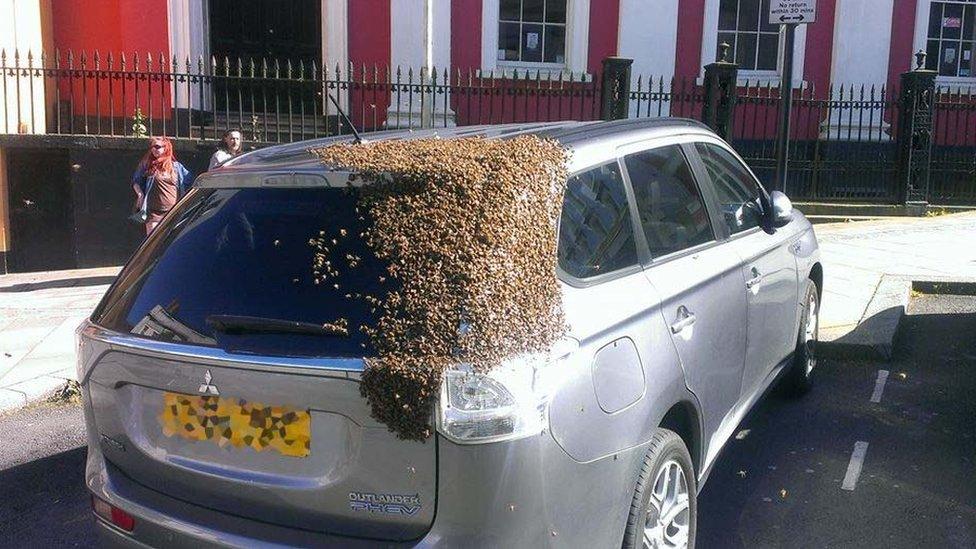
(356, 138)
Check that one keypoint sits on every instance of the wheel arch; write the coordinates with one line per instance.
(816, 275)
(684, 420)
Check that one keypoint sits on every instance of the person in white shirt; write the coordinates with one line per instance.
(231, 145)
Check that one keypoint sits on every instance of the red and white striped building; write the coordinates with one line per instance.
(855, 42)
(852, 41)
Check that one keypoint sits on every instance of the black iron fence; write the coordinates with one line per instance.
(271, 100)
(841, 146)
(846, 144)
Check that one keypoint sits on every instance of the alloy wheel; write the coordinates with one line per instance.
(666, 524)
(810, 334)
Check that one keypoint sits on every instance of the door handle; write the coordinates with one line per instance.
(755, 280)
(683, 320)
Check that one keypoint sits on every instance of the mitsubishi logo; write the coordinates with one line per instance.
(207, 388)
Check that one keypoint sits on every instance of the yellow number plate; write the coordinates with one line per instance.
(234, 422)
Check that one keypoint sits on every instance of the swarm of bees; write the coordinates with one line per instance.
(467, 228)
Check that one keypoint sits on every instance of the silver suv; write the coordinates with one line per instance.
(218, 413)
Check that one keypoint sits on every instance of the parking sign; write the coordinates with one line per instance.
(792, 11)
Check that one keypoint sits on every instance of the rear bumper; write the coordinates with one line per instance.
(526, 493)
(112, 538)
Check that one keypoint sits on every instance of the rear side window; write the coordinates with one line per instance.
(736, 189)
(596, 232)
(670, 206)
(234, 269)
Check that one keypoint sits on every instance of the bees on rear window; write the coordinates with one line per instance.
(468, 228)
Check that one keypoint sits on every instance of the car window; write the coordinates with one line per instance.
(232, 255)
(669, 204)
(736, 189)
(596, 233)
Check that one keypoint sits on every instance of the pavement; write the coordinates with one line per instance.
(869, 267)
(38, 316)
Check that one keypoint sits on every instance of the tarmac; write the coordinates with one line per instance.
(869, 269)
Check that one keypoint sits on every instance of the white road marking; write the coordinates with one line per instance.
(879, 385)
(854, 467)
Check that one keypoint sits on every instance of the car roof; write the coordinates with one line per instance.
(571, 134)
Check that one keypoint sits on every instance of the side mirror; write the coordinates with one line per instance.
(782, 209)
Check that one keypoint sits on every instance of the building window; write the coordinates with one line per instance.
(950, 46)
(743, 25)
(532, 31)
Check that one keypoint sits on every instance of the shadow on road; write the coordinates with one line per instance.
(45, 503)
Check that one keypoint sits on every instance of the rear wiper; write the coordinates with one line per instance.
(234, 325)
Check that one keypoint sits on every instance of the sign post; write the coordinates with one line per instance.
(787, 14)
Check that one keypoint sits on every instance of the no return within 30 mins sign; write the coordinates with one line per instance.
(792, 11)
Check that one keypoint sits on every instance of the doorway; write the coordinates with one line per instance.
(41, 212)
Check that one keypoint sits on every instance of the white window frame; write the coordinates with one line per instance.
(762, 77)
(577, 43)
(951, 83)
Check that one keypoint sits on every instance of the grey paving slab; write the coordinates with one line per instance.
(51, 354)
(857, 255)
(39, 313)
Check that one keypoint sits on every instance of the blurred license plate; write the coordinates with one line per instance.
(232, 422)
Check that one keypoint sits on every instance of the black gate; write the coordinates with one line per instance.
(40, 210)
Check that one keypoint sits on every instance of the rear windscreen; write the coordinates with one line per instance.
(225, 259)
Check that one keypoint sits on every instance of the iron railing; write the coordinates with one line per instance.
(271, 100)
(841, 144)
(842, 147)
(952, 176)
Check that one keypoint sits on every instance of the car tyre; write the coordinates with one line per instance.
(664, 510)
(805, 357)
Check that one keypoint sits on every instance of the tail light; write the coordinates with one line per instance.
(112, 514)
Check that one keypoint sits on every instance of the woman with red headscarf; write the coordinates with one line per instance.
(159, 182)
